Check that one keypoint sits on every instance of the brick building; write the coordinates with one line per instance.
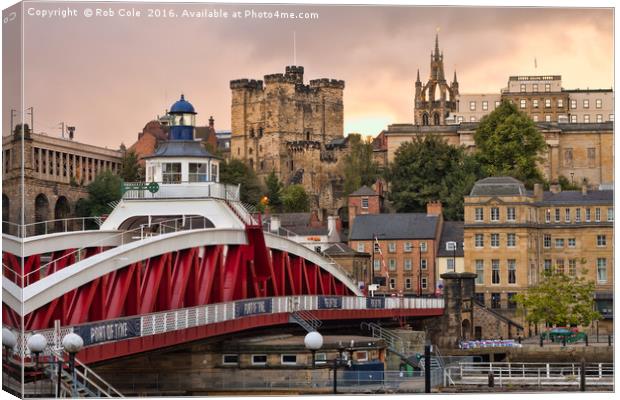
(511, 235)
(364, 201)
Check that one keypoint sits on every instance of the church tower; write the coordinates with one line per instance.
(435, 100)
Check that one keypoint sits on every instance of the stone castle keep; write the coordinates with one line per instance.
(281, 124)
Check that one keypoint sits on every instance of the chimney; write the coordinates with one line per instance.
(275, 223)
(538, 191)
(333, 224)
(555, 188)
(584, 189)
(433, 208)
(211, 122)
(314, 222)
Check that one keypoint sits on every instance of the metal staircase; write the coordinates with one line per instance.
(306, 319)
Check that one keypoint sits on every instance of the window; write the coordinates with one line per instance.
(361, 356)
(472, 119)
(288, 359)
(601, 270)
(586, 103)
(572, 267)
(535, 103)
(479, 214)
(610, 214)
(586, 118)
(546, 241)
(573, 104)
(494, 239)
(392, 247)
(512, 304)
(376, 247)
(360, 247)
(597, 215)
(611, 117)
(259, 359)
(512, 271)
(408, 283)
(578, 215)
(230, 359)
(560, 102)
(567, 215)
(408, 264)
(535, 118)
(450, 264)
(376, 265)
(547, 118)
(591, 157)
(485, 105)
(559, 243)
(557, 215)
(423, 263)
(171, 172)
(392, 283)
(511, 214)
(479, 240)
(572, 243)
(497, 103)
(197, 172)
(480, 272)
(523, 88)
(548, 215)
(599, 103)
(479, 298)
(214, 174)
(547, 87)
(547, 265)
(472, 106)
(599, 118)
(408, 247)
(511, 239)
(320, 358)
(392, 264)
(522, 103)
(573, 119)
(496, 300)
(424, 283)
(535, 87)
(423, 246)
(494, 214)
(547, 103)
(495, 272)
(601, 240)
(559, 266)
(587, 215)
(364, 202)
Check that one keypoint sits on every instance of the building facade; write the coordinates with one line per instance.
(512, 235)
(450, 250)
(295, 129)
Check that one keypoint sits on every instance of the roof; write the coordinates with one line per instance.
(364, 191)
(574, 196)
(181, 148)
(394, 226)
(182, 106)
(298, 223)
(452, 232)
(498, 186)
(341, 249)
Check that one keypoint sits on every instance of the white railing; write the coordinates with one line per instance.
(51, 226)
(185, 190)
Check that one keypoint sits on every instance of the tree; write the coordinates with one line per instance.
(429, 169)
(105, 189)
(131, 171)
(359, 166)
(295, 199)
(559, 300)
(235, 172)
(274, 192)
(508, 143)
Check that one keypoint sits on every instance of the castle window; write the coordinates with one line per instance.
(251, 163)
(262, 165)
(250, 150)
(436, 119)
(252, 132)
(308, 136)
(260, 132)
(425, 119)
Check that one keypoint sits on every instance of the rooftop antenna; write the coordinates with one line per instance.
(294, 48)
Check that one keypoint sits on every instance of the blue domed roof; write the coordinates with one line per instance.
(182, 106)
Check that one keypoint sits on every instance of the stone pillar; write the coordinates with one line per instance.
(458, 297)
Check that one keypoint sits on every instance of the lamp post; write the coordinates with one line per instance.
(36, 344)
(72, 343)
(313, 342)
(338, 362)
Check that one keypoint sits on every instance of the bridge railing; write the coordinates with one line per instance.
(185, 190)
(168, 321)
(51, 226)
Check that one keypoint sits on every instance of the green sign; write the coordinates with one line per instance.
(152, 187)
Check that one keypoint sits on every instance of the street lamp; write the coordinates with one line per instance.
(313, 342)
(36, 344)
(72, 343)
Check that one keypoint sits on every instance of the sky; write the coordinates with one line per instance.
(109, 75)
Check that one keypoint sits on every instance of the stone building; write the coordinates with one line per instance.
(511, 235)
(56, 172)
(355, 263)
(295, 129)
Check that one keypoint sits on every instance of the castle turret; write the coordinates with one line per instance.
(294, 73)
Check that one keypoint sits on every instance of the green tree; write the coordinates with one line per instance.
(559, 300)
(508, 143)
(359, 167)
(429, 169)
(295, 199)
(105, 189)
(235, 172)
(274, 192)
(131, 171)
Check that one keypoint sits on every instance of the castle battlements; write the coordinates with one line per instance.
(293, 75)
(327, 83)
(252, 84)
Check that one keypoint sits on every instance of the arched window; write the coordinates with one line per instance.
(5, 213)
(260, 132)
(425, 119)
(61, 211)
(436, 119)
(41, 213)
(251, 132)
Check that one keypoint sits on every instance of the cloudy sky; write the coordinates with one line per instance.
(108, 76)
